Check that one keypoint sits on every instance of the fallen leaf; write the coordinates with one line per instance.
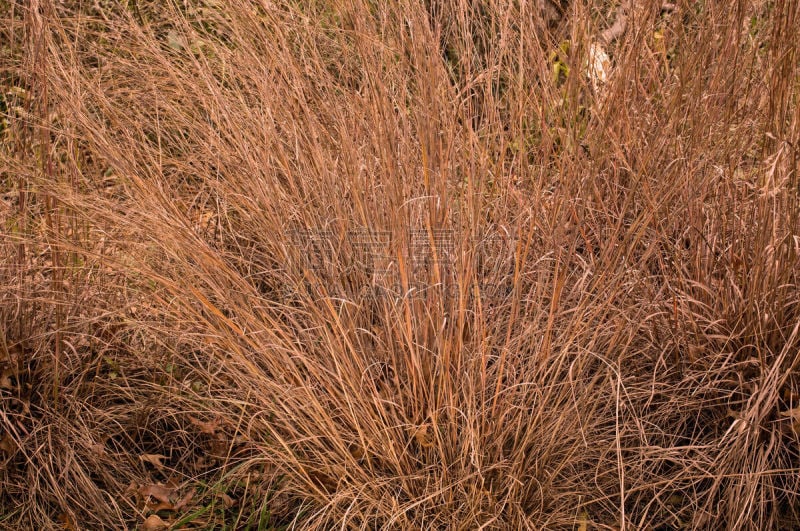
(66, 522)
(160, 506)
(322, 480)
(227, 500)
(676, 500)
(184, 501)
(202, 462)
(132, 490)
(158, 492)
(219, 447)
(13, 354)
(98, 449)
(423, 436)
(583, 521)
(793, 413)
(154, 523)
(175, 40)
(153, 459)
(25, 406)
(5, 379)
(209, 428)
(8, 445)
(203, 219)
(356, 451)
(599, 66)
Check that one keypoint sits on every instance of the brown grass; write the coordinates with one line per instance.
(623, 355)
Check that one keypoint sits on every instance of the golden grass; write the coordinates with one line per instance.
(622, 352)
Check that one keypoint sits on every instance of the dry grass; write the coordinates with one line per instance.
(625, 354)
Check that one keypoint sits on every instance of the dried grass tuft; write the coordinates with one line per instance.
(187, 331)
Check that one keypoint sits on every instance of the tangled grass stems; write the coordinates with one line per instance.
(619, 351)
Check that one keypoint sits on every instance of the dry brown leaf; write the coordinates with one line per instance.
(25, 406)
(201, 463)
(356, 451)
(794, 415)
(8, 445)
(160, 506)
(209, 428)
(218, 447)
(227, 500)
(676, 500)
(423, 436)
(322, 480)
(184, 501)
(98, 449)
(14, 354)
(158, 492)
(153, 459)
(154, 523)
(583, 521)
(66, 522)
(5, 379)
(203, 219)
(132, 490)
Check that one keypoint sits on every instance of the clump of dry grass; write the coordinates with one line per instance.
(624, 354)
